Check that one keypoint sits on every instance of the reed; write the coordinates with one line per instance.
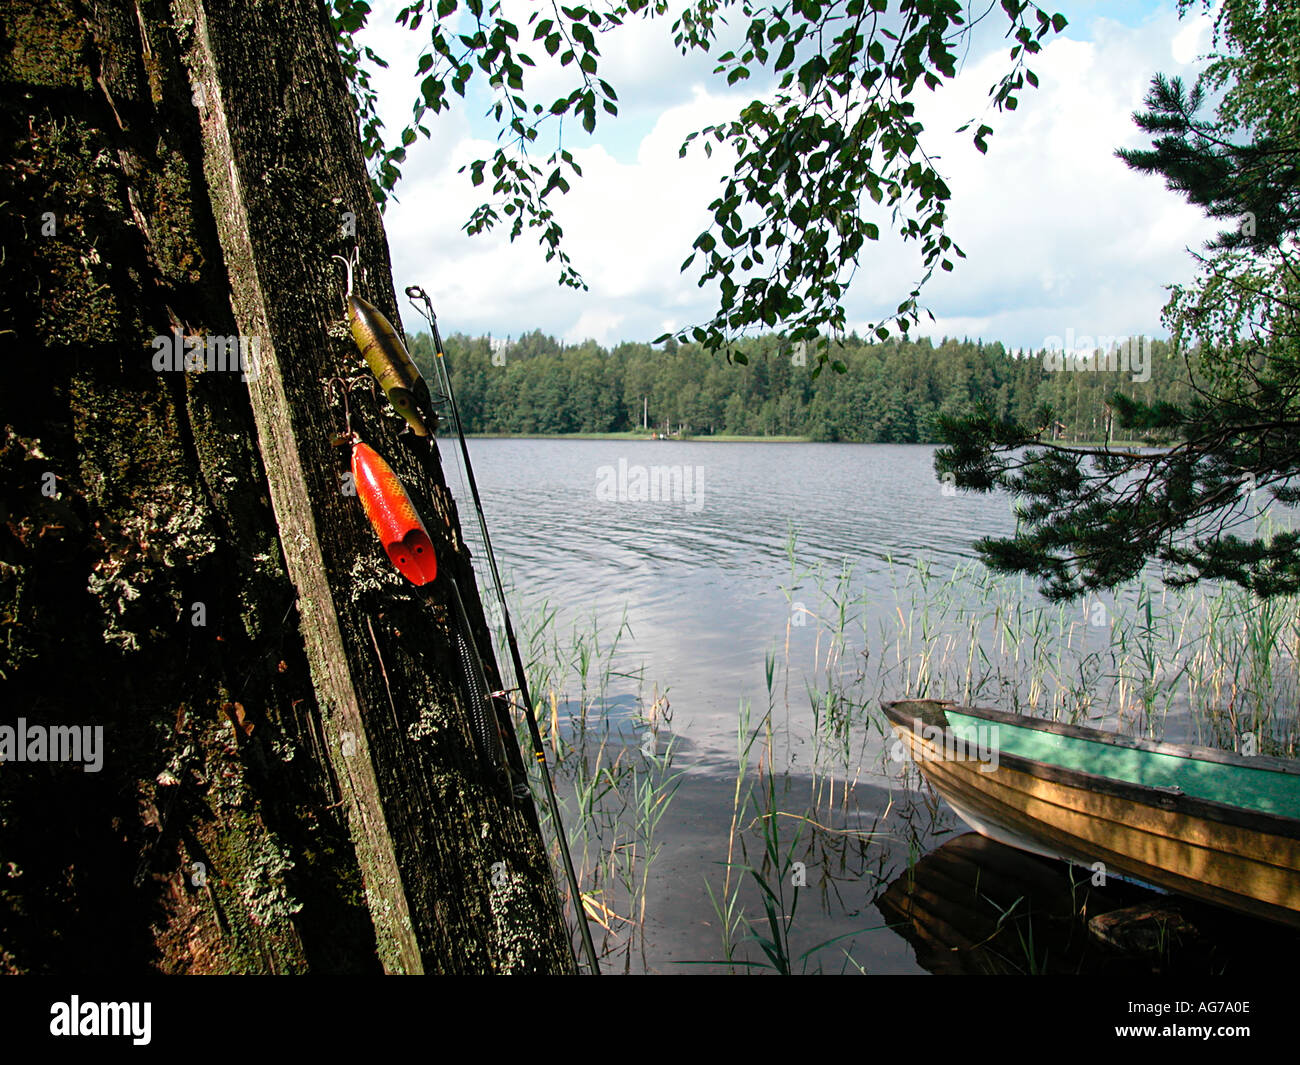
(1210, 665)
(613, 769)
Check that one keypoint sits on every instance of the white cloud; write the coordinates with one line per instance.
(1192, 40)
(1057, 230)
(627, 227)
(1059, 233)
(596, 325)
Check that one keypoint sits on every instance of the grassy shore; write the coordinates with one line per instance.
(1114, 445)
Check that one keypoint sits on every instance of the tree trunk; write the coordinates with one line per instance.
(288, 779)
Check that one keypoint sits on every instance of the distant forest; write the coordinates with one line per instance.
(891, 391)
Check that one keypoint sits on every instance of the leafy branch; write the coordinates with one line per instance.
(832, 132)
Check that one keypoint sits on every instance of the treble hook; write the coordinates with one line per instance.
(348, 265)
(345, 386)
(347, 436)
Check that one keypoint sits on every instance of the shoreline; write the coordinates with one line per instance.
(639, 435)
(727, 439)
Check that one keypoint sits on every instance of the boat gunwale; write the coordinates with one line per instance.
(1143, 794)
(1156, 877)
(1114, 739)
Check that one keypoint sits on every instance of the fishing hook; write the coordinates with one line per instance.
(349, 264)
(348, 436)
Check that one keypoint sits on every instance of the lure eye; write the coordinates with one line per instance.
(409, 556)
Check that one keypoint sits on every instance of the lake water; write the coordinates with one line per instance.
(690, 544)
(701, 578)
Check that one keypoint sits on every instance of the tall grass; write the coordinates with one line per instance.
(1210, 665)
(611, 753)
(818, 821)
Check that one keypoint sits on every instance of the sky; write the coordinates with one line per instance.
(1060, 236)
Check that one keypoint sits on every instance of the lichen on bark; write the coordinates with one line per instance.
(177, 563)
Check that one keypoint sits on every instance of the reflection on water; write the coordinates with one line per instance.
(974, 906)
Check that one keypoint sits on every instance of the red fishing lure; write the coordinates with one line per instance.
(393, 516)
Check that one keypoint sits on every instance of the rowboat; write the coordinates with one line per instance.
(1213, 825)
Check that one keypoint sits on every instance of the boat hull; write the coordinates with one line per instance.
(1245, 860)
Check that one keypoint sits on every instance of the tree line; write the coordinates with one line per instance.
(891, 392)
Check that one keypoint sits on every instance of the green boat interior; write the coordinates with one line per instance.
(1266, 786)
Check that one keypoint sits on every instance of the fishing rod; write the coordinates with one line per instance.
(408, 392)
(416, 293)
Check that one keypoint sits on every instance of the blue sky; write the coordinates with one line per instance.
(1059, 234)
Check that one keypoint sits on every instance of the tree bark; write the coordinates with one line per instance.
(289, 783)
